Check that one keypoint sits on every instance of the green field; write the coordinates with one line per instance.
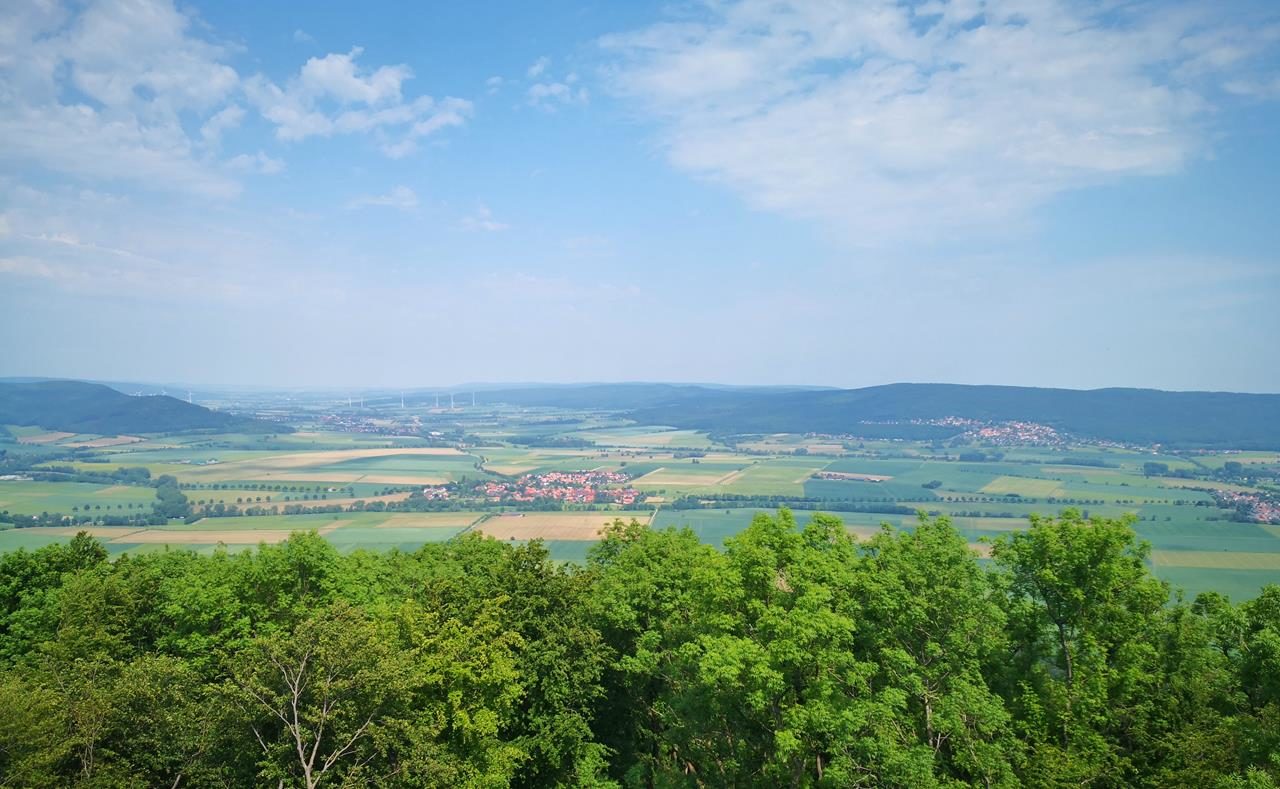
(33, 498)
(1196, 546)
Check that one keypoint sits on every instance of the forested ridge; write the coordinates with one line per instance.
(80, 407)
(794, 657)
(1140, 416)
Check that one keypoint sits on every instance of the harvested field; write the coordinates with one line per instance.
(552, 525)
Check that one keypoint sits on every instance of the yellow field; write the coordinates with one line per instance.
(552, 525)
(1038, 488)
(1218, 560)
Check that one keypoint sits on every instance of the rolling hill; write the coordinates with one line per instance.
(78, 407)
(1140, 416)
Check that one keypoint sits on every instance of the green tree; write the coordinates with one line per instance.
(1084, 614)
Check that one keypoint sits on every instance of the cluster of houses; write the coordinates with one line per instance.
(1257, 506)
(574, 487)
(1016, 433)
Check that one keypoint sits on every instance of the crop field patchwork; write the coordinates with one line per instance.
(1197, 547)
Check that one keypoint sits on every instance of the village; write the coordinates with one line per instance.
(572, 487)
(1250, 506)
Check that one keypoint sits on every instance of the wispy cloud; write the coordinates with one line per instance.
(258, 163)
(890, 119)
(482, 220)
(400, 197)
(537, 67)
(219, 123)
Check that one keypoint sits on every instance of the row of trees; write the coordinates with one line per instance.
(794, 657)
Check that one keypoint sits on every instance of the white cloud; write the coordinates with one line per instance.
(220, 122)
(550, 95)
(334, 95)
(894, 120)
(537, 67)
(139, 91)
(400, 197)
(103, 93)
(493, 84)
(257, 163)
(303, 37)
(482, 220)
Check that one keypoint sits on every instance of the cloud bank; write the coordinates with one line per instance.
(893, 119)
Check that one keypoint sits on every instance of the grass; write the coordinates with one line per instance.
(1218, 560)
(1023, 486)
(645, 437)
(33, 498)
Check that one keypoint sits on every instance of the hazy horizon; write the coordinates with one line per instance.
(1035, 193)
(463, 387)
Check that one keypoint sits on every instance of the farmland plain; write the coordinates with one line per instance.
(685, 479)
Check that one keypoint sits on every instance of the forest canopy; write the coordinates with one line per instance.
(794, 657)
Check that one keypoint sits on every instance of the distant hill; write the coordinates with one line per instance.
(1140, 416)
(78, 407)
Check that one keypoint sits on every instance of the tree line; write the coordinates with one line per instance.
(792, 657)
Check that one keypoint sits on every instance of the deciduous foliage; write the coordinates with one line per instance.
(792, 657)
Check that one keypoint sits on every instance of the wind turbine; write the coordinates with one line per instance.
(473, 399)
(437, 399)
(402, 401)
(189, 396)
(451, 405)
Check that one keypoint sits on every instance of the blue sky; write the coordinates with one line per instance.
(1027, 192)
